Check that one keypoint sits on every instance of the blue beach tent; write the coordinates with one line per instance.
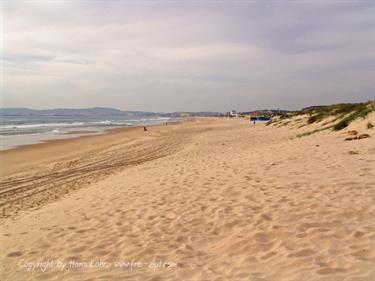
(260, 118)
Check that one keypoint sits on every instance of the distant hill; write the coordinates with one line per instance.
(17, 111)
(94, 111)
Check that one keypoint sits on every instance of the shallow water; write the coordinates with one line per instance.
(21, 130)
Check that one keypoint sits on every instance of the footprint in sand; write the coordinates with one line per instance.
(328, 270)
(302, 253)
(14, 254)
(262, 237)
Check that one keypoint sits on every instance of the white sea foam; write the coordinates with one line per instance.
(19, 130)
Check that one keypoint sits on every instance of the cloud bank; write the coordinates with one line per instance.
(169, 56)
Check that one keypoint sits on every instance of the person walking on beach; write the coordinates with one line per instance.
(145, 129)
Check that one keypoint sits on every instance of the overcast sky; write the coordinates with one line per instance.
(187, 56)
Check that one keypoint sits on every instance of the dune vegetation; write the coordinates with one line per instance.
(334, 117)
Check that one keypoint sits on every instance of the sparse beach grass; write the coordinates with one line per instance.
(335, 117)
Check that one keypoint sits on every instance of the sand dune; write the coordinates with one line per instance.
(209, 199)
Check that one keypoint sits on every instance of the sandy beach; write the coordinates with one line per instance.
(206, 199)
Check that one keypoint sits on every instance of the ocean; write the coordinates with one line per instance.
(21, 130)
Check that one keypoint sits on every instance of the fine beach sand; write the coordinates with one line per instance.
(205, 199)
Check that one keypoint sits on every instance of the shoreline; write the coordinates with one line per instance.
(73, 163)
(80, 132)
(70, 145)
(81, 135)
(72, 133)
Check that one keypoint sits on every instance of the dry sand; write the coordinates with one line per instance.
(209, 199)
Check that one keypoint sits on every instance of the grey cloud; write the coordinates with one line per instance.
(168, 56)
(24, 57)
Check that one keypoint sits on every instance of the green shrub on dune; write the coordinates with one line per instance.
(360, 113)
(347, 112)
(343, 113)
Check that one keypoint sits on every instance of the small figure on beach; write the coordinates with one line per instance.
(145, 129)
(254, 122)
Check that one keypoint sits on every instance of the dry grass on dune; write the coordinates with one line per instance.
(334, 117)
